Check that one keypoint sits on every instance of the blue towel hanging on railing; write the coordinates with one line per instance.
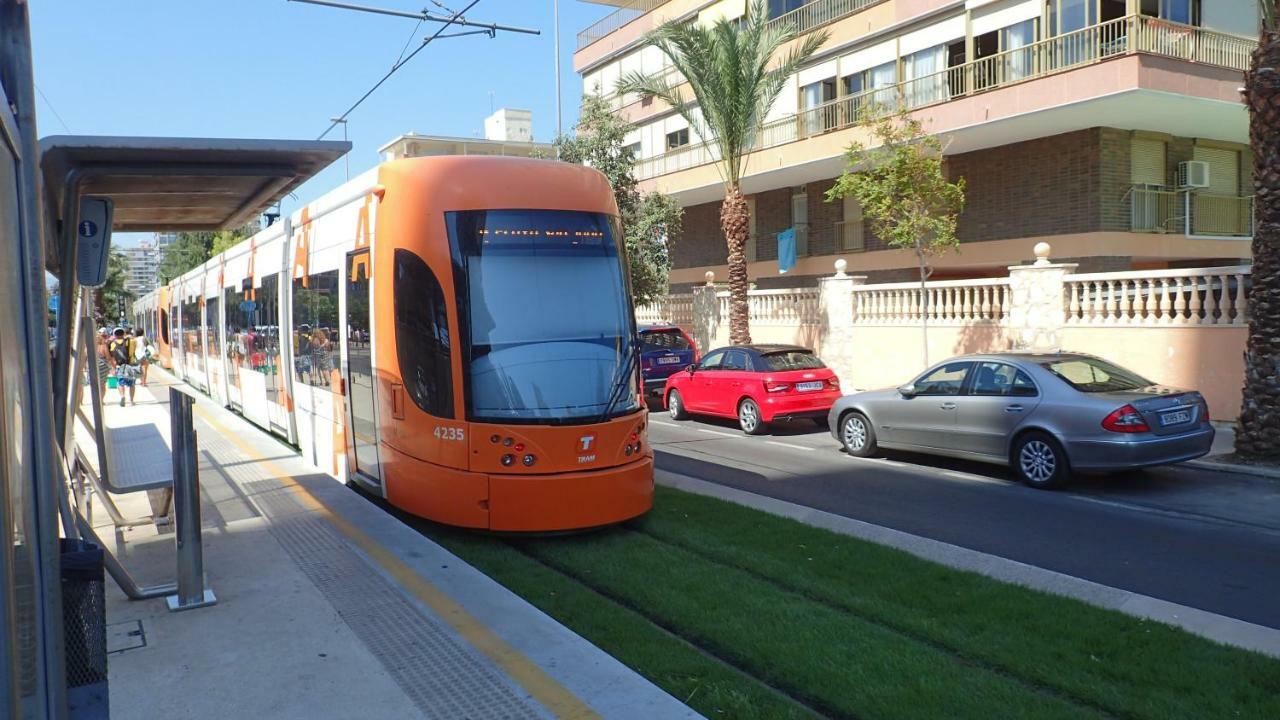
(786, 250)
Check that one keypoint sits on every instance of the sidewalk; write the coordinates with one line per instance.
(1221, 458)
(328, 607)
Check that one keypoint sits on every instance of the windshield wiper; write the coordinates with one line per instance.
(627, 374)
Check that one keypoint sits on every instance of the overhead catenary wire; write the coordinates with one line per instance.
(54, 110)
(397, 66)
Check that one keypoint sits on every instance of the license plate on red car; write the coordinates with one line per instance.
(809, 386)
(669, 360)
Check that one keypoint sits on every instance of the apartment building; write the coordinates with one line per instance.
(1113, 129)
(143, 261)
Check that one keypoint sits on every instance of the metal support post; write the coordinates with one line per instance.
(186, 500)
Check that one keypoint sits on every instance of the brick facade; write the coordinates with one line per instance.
(1076, 182)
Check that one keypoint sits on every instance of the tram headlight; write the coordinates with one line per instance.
(508, 460)
(629, 449)
(529, 460)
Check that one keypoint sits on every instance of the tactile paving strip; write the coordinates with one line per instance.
(445, 678)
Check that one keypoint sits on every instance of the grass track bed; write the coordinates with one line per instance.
(853, 629)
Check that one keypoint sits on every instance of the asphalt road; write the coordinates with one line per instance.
(1206, 539)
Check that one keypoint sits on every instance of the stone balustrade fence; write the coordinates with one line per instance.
(1183, 327)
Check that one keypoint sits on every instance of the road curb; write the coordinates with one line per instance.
(1219, 628)
(1237, 468)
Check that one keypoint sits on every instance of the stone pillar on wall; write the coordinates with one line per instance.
(706, 314)
(1037, 307)
(839, 316)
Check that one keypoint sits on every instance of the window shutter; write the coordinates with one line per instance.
(1224, 169)
(1147, 158)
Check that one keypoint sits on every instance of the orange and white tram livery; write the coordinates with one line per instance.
(455, 334)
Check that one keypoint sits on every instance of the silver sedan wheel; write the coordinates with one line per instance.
(1038, 461)
(854, 432)
(749, 417)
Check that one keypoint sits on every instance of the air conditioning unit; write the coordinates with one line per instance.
(1193, 174)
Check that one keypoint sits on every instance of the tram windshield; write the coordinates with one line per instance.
(546, 315)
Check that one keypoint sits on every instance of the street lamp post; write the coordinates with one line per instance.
(556, 13)
(346, 157)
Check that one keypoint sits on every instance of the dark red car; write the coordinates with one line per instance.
(757, 384)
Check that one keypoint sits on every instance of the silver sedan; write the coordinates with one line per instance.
(1043, 414)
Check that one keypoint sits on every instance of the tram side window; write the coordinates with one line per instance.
(212, 322)
(302, 323)
(191, 330)
(237, 327)
(315, 327)
(422, 335)
(263, 344)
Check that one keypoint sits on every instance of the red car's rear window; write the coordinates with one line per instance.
(792, 360)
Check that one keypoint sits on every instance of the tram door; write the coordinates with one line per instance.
(361, 388)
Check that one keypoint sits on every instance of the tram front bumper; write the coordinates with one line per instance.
(570, 501)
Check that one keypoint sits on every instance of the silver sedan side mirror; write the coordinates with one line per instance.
(907, 391)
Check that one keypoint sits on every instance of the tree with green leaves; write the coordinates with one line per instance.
(1258, 434)
(649, 221)
(192, 249)
(109, 298)
(189, 250)
(734, 78)
(905, 194)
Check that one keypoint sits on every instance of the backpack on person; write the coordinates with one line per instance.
(120, 351)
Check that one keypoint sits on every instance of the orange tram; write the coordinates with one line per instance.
(454, 334)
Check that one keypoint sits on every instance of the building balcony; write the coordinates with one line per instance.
(1174, 69)
(1193, 213)
(615, 20)
(801, 20)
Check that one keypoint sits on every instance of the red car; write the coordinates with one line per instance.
(757, 384)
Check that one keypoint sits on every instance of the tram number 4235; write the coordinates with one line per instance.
(450, 433)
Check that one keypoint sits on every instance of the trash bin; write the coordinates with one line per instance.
(84, 613)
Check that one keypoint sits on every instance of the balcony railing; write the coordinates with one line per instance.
(615, 20)
(819, 12)
(1191, 213)
(1123, 36)
(617, 100)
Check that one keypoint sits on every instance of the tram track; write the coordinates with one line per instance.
(815, 709)
(905, 633)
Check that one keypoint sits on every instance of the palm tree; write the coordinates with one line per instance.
(734, 80)
(1259, 429)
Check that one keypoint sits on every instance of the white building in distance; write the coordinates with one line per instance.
(508, 132)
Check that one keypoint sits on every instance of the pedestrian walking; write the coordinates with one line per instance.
(142, 352)
(126, 371)
(104, 363)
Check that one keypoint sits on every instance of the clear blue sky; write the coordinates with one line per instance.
(277, 69)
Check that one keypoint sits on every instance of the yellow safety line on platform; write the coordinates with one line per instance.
(545, 689)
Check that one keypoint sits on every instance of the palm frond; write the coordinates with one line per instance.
(1269, 9)
(733, 78)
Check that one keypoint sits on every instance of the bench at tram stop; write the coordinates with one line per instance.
(133, 448)
(137, 456)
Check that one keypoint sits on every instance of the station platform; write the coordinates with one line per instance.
(327, 606)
